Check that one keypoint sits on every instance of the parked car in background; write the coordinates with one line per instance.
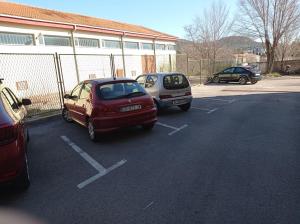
(13, 139)
(104, 105)
(238, 74)
(168, 89)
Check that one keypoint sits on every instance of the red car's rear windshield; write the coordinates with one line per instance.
(118, 90)
(175, 81)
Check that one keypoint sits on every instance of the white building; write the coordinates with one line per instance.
(80, 41)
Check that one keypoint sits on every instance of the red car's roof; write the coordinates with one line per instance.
(105, 80)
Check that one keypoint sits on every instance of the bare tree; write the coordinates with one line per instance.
(284, 48)
(269, 21)
(206, 30)
(295, 48)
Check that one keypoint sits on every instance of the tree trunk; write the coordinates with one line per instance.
(281, 63)
(270, 51)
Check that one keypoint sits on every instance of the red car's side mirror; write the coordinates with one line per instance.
(26, 102)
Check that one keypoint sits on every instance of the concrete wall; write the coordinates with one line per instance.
(295, 66)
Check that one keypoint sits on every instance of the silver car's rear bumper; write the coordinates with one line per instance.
(176, 101)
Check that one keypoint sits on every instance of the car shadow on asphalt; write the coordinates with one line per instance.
(122, 135)
(9, 194)
(227, 84)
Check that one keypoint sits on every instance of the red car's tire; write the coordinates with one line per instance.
(94, 136)
(66, 115)
(148, 127)
(23, 181)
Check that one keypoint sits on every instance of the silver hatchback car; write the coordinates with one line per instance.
(168, 89)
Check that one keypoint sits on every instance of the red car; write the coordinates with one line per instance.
(104, 105)
(13, 139)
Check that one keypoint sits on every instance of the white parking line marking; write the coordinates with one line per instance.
(84, 155)
(208, 111)
(213, 110)
(222, 100)
(203, 109)
(149, 205)
(166, 126)
(99, 175)
(101, 170)
(175, 130)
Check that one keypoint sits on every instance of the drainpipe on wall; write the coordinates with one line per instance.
(123, 54)
(154, 50)
(74, 53)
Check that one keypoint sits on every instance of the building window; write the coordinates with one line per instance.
(132, 45)
(16, 39)
(86, 42)
(147, 46)
(57, 41)
(115, 44)
(160, 47)
(172, 47)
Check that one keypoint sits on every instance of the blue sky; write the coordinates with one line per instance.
(168, 16)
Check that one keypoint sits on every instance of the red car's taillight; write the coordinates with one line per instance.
(8, 134)
(164, 96)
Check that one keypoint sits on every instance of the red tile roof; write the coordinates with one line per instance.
(52, 18)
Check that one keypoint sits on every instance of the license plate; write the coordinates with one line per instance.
(131, 108)
(257, 74)
(178, 102)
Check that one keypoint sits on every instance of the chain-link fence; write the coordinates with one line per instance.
(45, 78)
(32, 76)
(199, 71)
(78, 67)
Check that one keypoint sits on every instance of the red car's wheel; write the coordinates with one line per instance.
(148, 127)
(66, 115)
(23, 181)
(92, 133)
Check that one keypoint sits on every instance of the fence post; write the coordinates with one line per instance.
(58, 72)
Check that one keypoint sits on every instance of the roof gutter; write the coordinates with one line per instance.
(70, 26)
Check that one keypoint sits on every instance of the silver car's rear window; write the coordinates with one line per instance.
(175, 81)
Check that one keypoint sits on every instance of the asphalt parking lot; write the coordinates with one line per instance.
(233, 158)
